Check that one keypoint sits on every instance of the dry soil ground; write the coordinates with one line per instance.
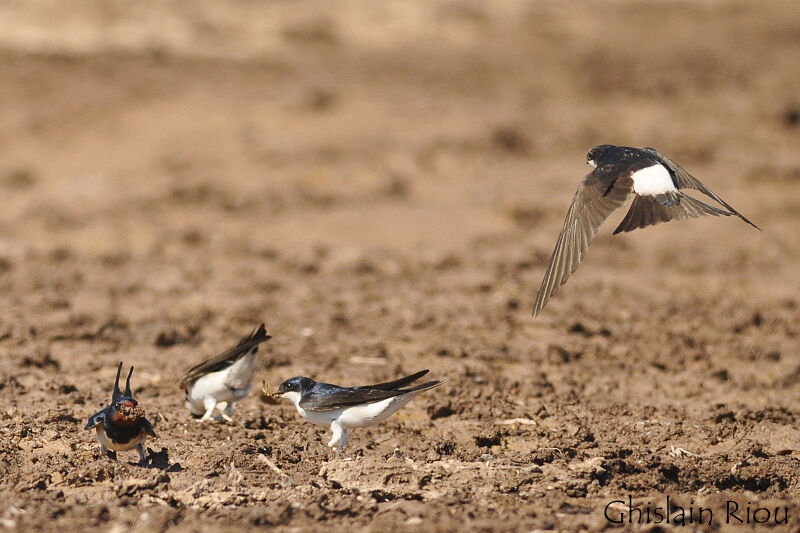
(382, 183)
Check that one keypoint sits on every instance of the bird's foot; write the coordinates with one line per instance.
(227, 418)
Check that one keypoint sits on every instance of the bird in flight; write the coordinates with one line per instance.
(657, 183)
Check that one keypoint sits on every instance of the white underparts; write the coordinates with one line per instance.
(221, 389)
(652, 181)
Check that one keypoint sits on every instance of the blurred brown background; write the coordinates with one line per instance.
(383, 183)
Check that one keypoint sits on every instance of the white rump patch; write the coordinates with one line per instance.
(652, 181)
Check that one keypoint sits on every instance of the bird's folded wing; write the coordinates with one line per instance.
(684, 180)
(402, 382)
(148, 427)
(227, 358)
(95, 420)
(594, 201)
(333, 397)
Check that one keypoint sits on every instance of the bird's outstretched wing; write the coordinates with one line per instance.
(594, 201)
(684, 180)
(226, 358)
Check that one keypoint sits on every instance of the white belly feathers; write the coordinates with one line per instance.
(360, 415)
(229, 385)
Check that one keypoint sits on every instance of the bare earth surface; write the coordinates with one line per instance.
(382, 183)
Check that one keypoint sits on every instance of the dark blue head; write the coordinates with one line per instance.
(298, 384)
(595, 155)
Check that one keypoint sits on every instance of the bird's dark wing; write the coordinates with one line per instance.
(598, 195)
(227, 358)
(326, 397)
(148, 427)
(648, 210)
(402, 382)
(684, 180)
(96, 419)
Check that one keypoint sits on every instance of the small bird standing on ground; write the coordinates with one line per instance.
(656, 182)
(223, 380)
(122, 425)
(345, 408)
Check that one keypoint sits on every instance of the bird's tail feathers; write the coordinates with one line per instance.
(696, 208)
(422, 387)
(649, 210)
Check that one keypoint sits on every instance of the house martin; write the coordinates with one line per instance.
(657, 183)
(345, 408)
(223, 380)
(121, 425)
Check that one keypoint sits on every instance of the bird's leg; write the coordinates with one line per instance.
(107, 452)
(338, 431)
(142, 454)
(226, 414)
(221, 407)
(343, 441)
(209, 404)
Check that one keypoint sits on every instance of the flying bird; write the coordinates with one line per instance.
(223, 380)
(121, 425)
(657, 184)
(345, 408)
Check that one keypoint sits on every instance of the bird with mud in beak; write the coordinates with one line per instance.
(121, 425)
